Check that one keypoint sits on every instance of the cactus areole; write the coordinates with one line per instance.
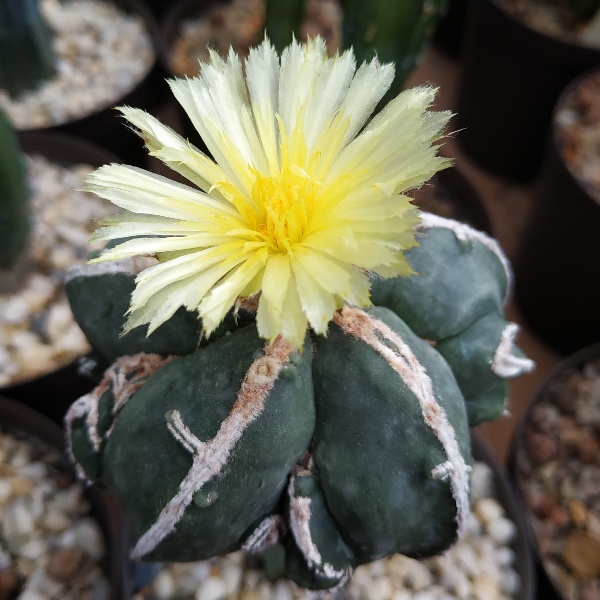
(298, 384)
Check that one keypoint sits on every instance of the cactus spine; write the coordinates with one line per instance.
(25, 46)
(14, 197)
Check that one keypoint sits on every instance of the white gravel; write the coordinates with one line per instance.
(37, 330)
(102, 54)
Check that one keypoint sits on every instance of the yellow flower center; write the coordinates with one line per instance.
(285, 207)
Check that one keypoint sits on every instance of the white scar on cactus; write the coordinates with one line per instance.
(123, 378)
(265, 535)
(300, 515)
(464, 233)
(505, 364)
(376, 333)
(127, 266)
(211, 456)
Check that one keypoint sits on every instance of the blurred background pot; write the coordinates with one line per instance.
(558, 258)
(73, 548)
(555, 462)
(51, 381)
(72, 111)
(511, 78)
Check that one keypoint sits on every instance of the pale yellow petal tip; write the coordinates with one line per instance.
(302, 184)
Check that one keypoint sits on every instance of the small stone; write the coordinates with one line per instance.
(9, 582)
(213, 588)
(541, 447)
(55, 521)
(488, 510)
(164, 585)
(64, 563)
(581, 553)
(89, 538)
(485, 588)
(502, 530)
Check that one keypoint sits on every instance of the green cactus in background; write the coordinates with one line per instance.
(393, 31)
(25, 47)
(283, 20)
(14, 197)
(364, 434)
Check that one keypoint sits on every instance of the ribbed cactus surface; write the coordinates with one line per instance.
(355, 448)
(14, 197)
(25, 46)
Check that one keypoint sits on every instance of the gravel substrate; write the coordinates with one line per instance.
(50, 548)
(558, 473)
(481, 566)
(37, 331)
(102, 54)
(578, 132)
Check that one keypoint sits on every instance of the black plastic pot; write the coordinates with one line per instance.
(52, 393)
(548, 587)
(105, 126)
(449, 34)
(558, 258)
(19, 419)
(511, 78)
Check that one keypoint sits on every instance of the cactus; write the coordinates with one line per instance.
(25, 46)
(263, 408)
(392, 31)
(230, 429)
(14, 200)
(283, 20)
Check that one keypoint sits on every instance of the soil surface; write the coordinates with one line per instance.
(578, 134)
(240, 24)
(556, 18)
(558, 473)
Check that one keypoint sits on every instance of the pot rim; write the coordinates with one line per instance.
(140, 8)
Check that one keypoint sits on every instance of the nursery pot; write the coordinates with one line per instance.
(558, 257)
(15, 418)
(139, 575)
(511, 78)
(554, 448)
(52, 393)
(105, 126)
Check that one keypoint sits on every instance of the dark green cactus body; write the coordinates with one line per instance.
(450, 299)
(375, 445)
(353, 449)
(14, 196)
(190, 423)
(108, 289)
(25, 46)
(317, 556)
(393, 31)
(283, 21)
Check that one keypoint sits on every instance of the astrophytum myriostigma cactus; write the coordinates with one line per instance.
(354, 448)
(316, 349)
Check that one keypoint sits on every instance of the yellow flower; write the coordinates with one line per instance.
(301, 203)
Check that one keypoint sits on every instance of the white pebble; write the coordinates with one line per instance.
(488, 509)
(502, 530)
(164, 585)
(89, 537)
(213, 588)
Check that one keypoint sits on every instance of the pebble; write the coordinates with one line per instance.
(562, 490)
(37, 330)
(102, 53)
(480, 566)
(34, 564)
